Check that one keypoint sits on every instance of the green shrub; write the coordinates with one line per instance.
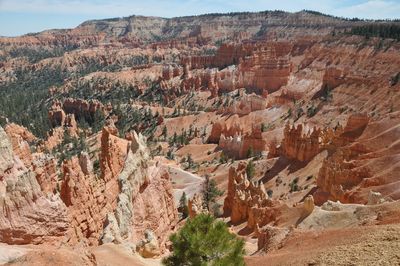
(250, 170)
(205, 241)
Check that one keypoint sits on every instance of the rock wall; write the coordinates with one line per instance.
(298, 145)
(268, 68)
(144, 200)
(154, 208)
(246, 104)
(27, 215)
(20, 138)
(238, 146)
(339, 177)
(263, 67)
(82, 108)
(87, 204)
(220, 128)
(195, 206)
(132, 190)
(243, 195)
(360, 164)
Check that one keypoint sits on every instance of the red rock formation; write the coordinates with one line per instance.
(221, 128)
(94, 202)
(87, 206)
(82, 108)
(298, 145)
(238, 146)
(338, 176)
(61, 123)
(144, 200)
(355, 125)
(54, 138)
(56, 114)
(195, 206)
(227, 54)
(268, 68)
(45, 168)
(113, 153)
(20, 138)
(31, 213)
(361, 164)
(333, 77)
(154, 208)
(71, 125)
(242, 196)
(26, 214)
(170, 72)
(246, 104)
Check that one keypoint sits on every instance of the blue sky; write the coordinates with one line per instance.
(23, 16)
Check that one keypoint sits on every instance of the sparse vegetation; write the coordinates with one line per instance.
(294, 185)
(250, 152)
(311, 111)
(223, 158)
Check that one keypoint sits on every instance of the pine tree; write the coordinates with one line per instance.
(170, 154)
(210, 192)
(189, 160)
(250, 170)
(263, 127)
(174, 138)
(164, 132)
(205, 241)
(183, 208)
(250, 152)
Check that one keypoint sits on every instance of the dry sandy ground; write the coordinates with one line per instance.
(370, 245)
(114, 255)
(183, 181)
(105, 255)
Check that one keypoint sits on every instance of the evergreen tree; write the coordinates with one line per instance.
(174, 138)
(250, 152)
(164, 132)
(98, 120)
(210, 192)
(183, 208)
(250, 170)
(189, 160)
(263, 127)
(205, 241)
(223, 158)
(170, 154)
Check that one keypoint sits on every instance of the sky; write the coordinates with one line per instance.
(19, 17)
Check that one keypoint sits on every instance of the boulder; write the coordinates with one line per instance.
(149, 246)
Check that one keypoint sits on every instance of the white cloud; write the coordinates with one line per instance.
(374, 9)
